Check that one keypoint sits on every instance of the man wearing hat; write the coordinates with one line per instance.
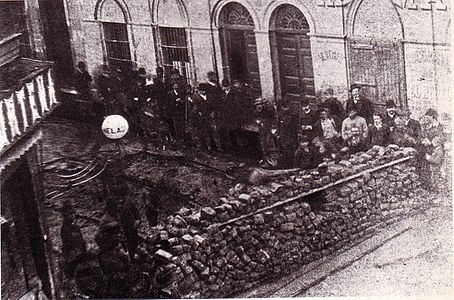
(306, 156)
(263, 115)
(229, 120)
(412, 126)
(287, 136)
(203, 117)
(308, 119)
(390, 114)
(361, 104)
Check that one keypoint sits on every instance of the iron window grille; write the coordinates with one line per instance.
(174, 47)
(117, 45)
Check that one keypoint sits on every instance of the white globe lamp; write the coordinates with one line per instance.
(115, 127)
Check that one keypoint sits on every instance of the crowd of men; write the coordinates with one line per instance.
(228, 117)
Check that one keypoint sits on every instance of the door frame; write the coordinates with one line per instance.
(276, 65)
(224, 32)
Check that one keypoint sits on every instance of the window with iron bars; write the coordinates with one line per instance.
(117, 45)
(174, 49)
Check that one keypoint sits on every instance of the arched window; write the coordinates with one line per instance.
(172, 38)
(117, 51)
(375, 57)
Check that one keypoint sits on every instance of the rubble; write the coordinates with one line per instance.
(256, 231)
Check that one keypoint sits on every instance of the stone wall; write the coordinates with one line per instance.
(271, 228)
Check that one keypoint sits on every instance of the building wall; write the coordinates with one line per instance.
(421, 29)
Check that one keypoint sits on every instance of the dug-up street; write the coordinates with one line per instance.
(412, 258)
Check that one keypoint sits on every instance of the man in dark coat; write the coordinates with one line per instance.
(228, 117)
(307, 156)
(390, 115)
(204, 116)
(106, 89)
(213, 88)
(245, 101)
(362, 105)
(82, 81)
(412, 126)
(176, 98)
(379, 133)
(335, 106)
(159, 92)
(308, 119)
(287, 137)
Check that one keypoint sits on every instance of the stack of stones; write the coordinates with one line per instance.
(256, 232)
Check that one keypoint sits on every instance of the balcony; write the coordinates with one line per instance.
(27, 95)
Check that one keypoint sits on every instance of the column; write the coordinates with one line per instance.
(265, 64)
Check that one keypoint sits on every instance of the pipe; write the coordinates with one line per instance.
(215, 60)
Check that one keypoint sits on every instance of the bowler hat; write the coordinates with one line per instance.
(432, 113)
(305, 102)
(354, 86)
(203, 86)
(225, 82)
(390, 104)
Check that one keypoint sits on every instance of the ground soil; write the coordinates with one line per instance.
(180, 176)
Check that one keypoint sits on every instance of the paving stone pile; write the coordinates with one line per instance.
(272, 228)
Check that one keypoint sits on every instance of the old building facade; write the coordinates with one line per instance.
(285, 49)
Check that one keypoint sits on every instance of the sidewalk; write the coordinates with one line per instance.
(412, 257)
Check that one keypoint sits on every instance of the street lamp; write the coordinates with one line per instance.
(115, 127)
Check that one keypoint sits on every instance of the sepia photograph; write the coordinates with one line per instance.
(197, 149)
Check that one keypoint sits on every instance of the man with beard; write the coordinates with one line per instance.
(390, 114)
(361, 104)
(378, 132)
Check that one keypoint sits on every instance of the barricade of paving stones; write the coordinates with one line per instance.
(268, 229)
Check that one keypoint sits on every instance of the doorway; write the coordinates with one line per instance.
(238, 44)
(291, 56)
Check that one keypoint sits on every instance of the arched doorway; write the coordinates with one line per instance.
(291, 55)
(239, 48)
(375, 53)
